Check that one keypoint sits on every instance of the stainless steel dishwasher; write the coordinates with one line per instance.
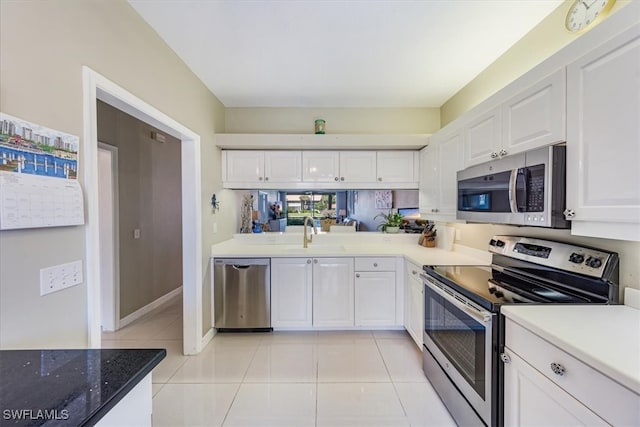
(242, 294)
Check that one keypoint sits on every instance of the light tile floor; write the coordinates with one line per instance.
(359, 378)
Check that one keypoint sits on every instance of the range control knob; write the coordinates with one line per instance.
(576, 258)
(500, 243)
(593, 262)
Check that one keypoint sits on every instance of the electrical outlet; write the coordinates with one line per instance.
(136, 233)
(60, 277)
(215, 228)
(458, 234)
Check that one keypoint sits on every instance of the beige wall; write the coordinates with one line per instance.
(150, 199)
(338, 120)
(43, 46)
(544, 40)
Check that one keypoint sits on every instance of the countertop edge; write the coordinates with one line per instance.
(96, 416)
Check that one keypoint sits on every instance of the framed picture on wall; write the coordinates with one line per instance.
(384, 199)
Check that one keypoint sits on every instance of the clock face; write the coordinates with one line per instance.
(584, 12)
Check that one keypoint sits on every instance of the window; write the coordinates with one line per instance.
(314, 204)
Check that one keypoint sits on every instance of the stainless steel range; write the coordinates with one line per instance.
(464, 332)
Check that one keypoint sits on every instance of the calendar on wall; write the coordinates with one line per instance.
(38, 176)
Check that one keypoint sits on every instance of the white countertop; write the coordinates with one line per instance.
(274, 245)
(605, 337)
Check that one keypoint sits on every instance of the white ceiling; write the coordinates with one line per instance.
(337, 53)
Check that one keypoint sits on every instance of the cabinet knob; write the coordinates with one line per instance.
(342, 178)
(375, 264)
(266, 178)
(414, 272)
(315, 261)
(569, 213)
(259, 178)
(357, 275)
(308, 261)
(336, 178)
(557, 369)
(494, 155)
(503, 153)
(380, 179)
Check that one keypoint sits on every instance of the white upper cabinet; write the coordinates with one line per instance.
(397, 167)
(483, 138)
(283, 166)
(357, 166)
(533, 118)
(536, 116)
(243, 166)
(320, 166)
(249, 168)
(439, 164)
(603, 139)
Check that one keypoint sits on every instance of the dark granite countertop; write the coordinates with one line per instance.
(68, 387)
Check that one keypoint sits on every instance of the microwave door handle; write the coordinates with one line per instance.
(513, 201)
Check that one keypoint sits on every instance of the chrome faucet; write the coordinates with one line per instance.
(306, 240)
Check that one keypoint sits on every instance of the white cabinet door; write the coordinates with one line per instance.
(429, 193)
(603, 139)
(483, 138)
(536, 117)
(283, 166)
(375, 298)
(291, 292)
(244, 166)
(333, 294)
(395, 167)
(414, 304)
(320, 166)
(357, 166)
(449, 163)
(530, 398)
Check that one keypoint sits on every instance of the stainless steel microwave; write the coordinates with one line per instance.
(523, 189)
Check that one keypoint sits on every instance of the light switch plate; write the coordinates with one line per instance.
(60, 277)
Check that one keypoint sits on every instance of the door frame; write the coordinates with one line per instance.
(113, 289)
(97, 87)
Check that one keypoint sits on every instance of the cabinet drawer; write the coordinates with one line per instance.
(412, 270)
(375, 264)
(614, 403)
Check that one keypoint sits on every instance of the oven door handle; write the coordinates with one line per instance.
(480, 316)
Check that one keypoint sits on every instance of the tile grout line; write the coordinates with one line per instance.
(393, 384)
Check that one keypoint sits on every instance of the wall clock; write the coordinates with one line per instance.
(585, 13)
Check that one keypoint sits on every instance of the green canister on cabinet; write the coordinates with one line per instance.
(321, 126)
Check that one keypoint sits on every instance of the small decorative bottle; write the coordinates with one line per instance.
(321, 126)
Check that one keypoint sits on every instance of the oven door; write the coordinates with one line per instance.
(459, 335)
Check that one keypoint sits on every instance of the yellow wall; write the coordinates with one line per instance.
(544, 40)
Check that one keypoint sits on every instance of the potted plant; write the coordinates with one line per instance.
(392, 222)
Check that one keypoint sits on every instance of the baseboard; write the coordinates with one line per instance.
(149, 307)
(206, 339)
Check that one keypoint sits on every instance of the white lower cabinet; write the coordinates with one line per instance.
(414, 303)
(333, 293)
(375, 298)
(291, 292)
(546, 385)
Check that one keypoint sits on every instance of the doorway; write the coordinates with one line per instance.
(97, 87)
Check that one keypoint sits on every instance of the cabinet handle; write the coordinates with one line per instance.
(505, 358)
(260, 179)
(336, 178)
(557, 368)
(380, 179)
(357, 275)
(342, 178)
(503, 153)
(375, 264)
(315, 261)
(569, 213)
(494, 155)
(308, 261)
